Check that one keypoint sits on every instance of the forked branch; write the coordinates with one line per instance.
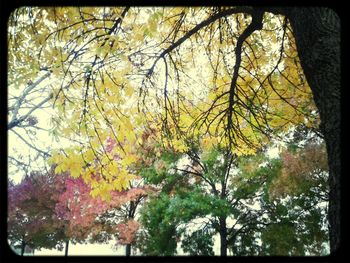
(256, 24)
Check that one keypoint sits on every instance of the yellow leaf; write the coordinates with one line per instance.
(129, 159)
(58, 169)
(179, 145)
(139, 36)
(89, 156)
(129, 91)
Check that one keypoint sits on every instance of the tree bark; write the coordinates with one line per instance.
(23, 246)
(317, 34)
(223, 236)
(66, 248)
(131, 215)
(128, 250)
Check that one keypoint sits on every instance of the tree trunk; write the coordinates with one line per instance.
(131, 214)
(128, 250)
(317, 34)
(223, 236)
(66, 248)
(23, 247)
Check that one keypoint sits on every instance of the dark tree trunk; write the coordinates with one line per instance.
(131, 215)
(23, 247)
(223, 236)
(317, 34)
(66, 248)
(128, 250)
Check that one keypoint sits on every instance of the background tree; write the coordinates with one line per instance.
(301, 188)
(189, 193)
(51, 211)
(91, 219)
(295, 200)
(263, 198)
(32, 220)
(30, 91)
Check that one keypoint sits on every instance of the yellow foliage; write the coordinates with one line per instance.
(129, 159)
(129, 91)
(208, 143)
(114, 65)
(179, 145)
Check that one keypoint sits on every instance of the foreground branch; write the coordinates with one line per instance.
(256, 24)
(198, 27)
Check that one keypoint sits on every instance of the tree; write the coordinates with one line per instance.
(263, 198)
(199, 242)
(295, 199)
(116, 48)
(202, 188)
(303, 180)
(244, 139)
(90, 217)
(93, 219)
(317, 33)
(159, 238)
(28, 97)
(48, 210)
(31, 213)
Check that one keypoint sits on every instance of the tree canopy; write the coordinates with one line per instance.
(138, 90)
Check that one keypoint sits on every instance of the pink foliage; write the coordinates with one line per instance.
(77, 206)
(111, 143)
(120, 198)
(57, 202)
(127, 231)
(302, 168)
(31, 207)
(80, 209)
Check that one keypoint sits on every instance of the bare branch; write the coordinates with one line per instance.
(30, 145)
(17, 106)
(256, 24)
(17, 122)
(197, 28)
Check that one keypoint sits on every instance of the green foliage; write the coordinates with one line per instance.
(280, 239)
(181, 202)
(199, 243)
(255, 173)
(158, 171)
(297, 216)
(159, 237)
(151, 176)
(195, 204)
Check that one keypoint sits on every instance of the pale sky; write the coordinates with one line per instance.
(85, 250)
(106, 249)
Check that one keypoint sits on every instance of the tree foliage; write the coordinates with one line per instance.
(32, 220)
(187, 100)
(257, 202)
(67, 212)
(119, 74)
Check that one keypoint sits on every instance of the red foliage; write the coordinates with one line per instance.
(300, 170)
(127, 231)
